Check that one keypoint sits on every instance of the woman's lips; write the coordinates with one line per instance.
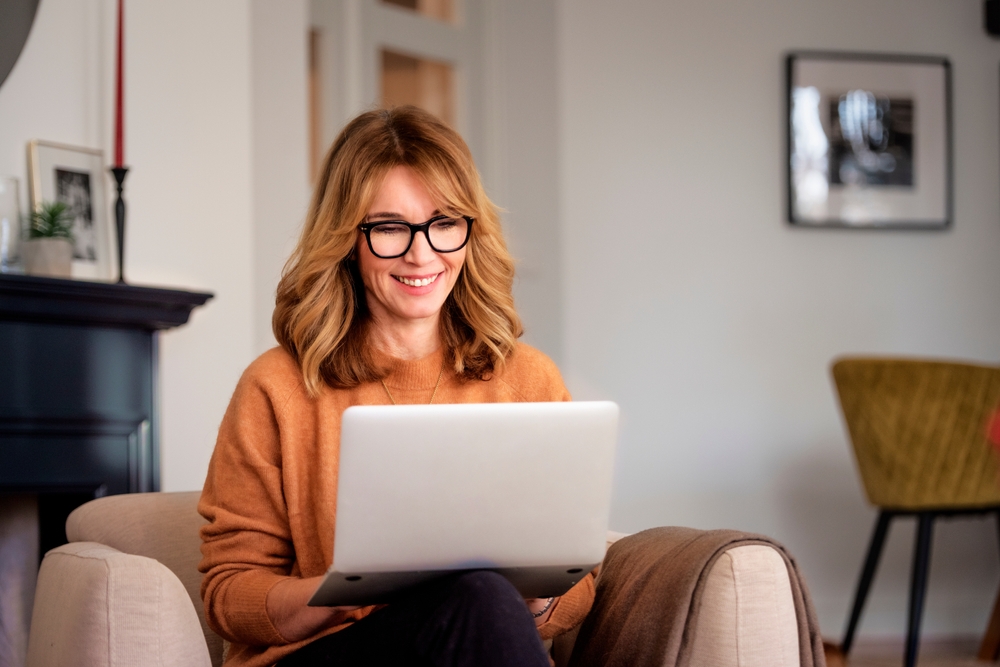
(417, 281)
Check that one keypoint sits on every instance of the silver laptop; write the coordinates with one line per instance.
(424, 491)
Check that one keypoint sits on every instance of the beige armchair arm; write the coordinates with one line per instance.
(95, 605)
(747, 614)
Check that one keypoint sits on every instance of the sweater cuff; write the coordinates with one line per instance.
(246, 607)
(569, 610)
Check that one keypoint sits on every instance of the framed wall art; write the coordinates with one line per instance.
(869, 140)
(78, 178)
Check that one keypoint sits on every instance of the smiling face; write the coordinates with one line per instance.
(408, 290)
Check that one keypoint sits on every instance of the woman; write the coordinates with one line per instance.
(399, 292)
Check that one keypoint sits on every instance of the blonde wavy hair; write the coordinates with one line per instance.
(320, 315)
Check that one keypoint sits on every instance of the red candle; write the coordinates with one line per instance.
(119, 102)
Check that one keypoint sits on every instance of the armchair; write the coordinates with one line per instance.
(125, 591)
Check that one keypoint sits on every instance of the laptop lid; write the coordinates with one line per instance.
(520, 488)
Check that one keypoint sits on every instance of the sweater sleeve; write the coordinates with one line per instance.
(246, 544)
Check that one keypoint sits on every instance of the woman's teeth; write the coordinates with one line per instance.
(420, 282)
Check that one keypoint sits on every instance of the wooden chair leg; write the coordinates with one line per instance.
(867, 574)
(989, 649)
(918, 585)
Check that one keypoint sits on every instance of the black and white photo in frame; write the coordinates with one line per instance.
(869, 140)
(76, 177)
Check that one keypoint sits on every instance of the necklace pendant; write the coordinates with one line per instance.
(433, 393)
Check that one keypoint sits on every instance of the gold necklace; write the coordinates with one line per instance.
(433, 393)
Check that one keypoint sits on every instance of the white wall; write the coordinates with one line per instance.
(279, 63)
(522, 151)
(691, 302)
(55, 90)
(190, 207)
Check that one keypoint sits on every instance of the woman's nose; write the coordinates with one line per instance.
(420, 251)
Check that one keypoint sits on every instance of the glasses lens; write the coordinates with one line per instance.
(448, 234)
(390, 239)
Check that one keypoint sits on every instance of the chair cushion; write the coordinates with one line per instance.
(747, 615)
(97, 606)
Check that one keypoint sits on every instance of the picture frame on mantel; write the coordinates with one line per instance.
(869, 141)
(77, 177)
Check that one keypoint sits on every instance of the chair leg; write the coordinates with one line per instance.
(918, 585)
(867, 574)
(997, 515)
(989, 648)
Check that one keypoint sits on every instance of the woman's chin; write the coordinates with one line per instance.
(414, 312)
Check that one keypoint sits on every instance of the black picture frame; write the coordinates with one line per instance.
(869, 140)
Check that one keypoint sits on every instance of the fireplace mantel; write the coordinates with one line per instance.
(78, 389)
(52, 300)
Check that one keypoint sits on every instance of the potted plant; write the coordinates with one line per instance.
(48, 250)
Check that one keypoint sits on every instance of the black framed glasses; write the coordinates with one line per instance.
(389, 239)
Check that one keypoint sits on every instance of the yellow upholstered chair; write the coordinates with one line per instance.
(919, 434)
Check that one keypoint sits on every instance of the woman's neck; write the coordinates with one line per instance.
(407, 341)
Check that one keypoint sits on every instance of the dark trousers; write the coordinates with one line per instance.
(475, 619)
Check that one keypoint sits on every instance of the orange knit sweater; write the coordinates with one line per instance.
(270, 496)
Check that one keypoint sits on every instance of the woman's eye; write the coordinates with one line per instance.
(447, 223)
(390, 230)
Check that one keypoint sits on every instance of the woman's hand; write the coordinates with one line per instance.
(535, 605)
(288, 610)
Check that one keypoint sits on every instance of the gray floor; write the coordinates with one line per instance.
(959, 652)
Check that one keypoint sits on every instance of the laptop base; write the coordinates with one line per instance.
(339, 588)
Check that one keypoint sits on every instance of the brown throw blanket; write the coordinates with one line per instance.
(649, 593)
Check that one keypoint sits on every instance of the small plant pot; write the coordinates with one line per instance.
(52, 257)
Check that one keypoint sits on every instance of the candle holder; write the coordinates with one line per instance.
(119, 173)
